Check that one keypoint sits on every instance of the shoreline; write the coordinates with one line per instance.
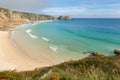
(13, 58)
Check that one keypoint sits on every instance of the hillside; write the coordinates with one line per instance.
(94, 67)
(90, 68)
(9, 19)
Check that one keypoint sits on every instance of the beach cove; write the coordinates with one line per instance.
(53, 42)
(46, 43)
(59, 40)
(13, 57)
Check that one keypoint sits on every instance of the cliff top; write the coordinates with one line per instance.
(9, 19)
(90, 68)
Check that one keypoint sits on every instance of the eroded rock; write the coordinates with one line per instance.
(116, 52)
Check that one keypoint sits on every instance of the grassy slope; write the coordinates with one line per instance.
(90, 68)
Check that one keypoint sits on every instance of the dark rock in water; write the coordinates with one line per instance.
(64, 18)
(117, 52)
(95, 54)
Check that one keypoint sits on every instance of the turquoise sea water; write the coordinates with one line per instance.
(74, 36)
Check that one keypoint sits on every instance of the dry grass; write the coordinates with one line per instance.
(90, 68)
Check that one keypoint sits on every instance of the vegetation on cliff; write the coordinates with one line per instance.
(9, 19)
(91, 68)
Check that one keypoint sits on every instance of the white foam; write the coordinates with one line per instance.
(31, 35)
(53, 48)
(33, 23)
(28, 31)
(44, 21)
(44, 38)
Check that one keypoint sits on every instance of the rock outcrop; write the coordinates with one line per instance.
(117, 52)
(9, 19)
(95, 54)
(64, 18)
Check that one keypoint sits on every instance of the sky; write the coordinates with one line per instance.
(73, 8)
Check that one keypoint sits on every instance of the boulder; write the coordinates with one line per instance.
(95, 54)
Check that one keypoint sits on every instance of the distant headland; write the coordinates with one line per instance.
(9, 18)
(64, 18)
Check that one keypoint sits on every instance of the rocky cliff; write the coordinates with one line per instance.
(9, 19)
(64, 18)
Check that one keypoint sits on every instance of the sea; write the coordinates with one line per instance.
(70, 38)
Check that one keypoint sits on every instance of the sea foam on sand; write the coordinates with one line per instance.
(12, 58)
(30, 34)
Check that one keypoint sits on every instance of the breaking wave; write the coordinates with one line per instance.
(53, 48)
(31, 35)
(44, 38)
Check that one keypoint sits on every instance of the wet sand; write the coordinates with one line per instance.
(13, 57)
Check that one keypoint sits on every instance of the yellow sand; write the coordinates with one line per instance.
(12, 58)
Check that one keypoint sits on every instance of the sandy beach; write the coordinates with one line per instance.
(11, 58)
(14, 57)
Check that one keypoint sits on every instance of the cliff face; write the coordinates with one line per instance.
(9, 19)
